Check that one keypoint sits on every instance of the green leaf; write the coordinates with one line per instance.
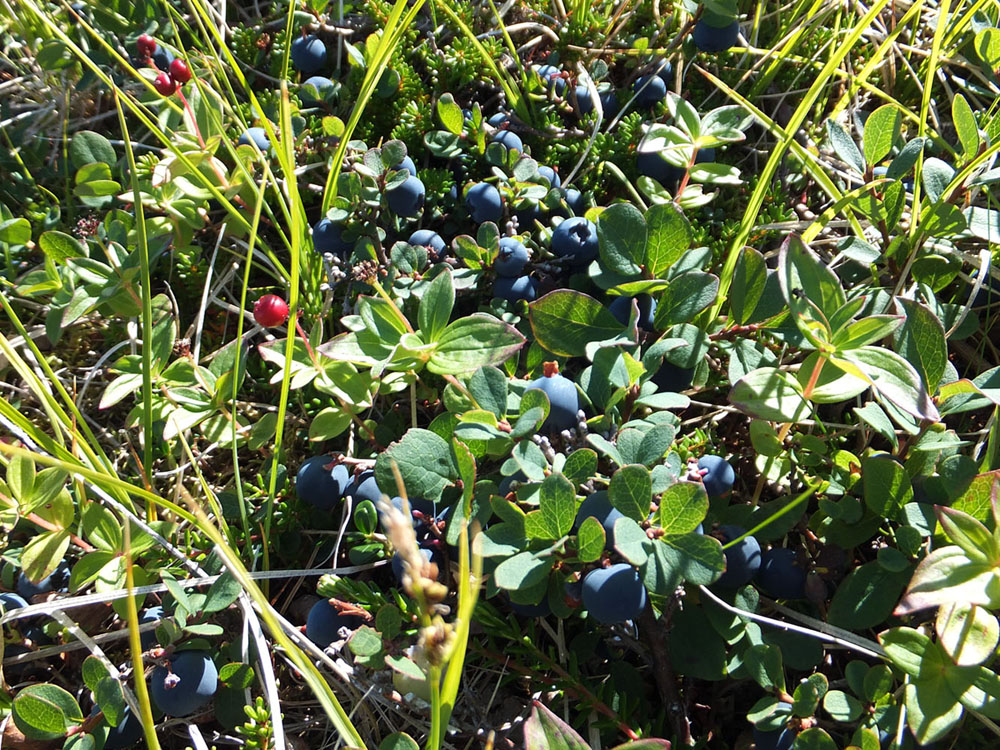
(93, 671)
(842, 707)
(881, 131)
(749, 278)
(43, 554)
(46, 487)
(921, 341)
(763, 662)
(15, 231)
(631, 491)
(45, 711)
(631, 541)
(590, 540)
(425, 463)
(435, 306)
(965, 125)
(101, 527)
(475, 341)
(111, 698)
(887, 486)
(221, 594)
(522, 571)
(450, 114)
(893, 378)
(931, 709)
(545, 731)
(769, 393)
(329, 423)
(687, 295)
(844, 146)
(621, 232)
(866, 331)
(670, 236)
(806, 283)
(970, 534)
(867, 596)
(815, 738)
(947, 575)
(565, 321)
(683, 506)
(557, 503)
(488, 387)
(400, 740)
(21, 478)
(365, 641)
(696, 557)
(87, 147)
(908, 649)
(580, 465)
(968, 633)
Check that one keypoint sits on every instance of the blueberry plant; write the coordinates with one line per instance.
(399, 374)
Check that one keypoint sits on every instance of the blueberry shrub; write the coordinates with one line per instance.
(540, 374)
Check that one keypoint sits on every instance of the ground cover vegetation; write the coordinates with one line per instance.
(452, 373)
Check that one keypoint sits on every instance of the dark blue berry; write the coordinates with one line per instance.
(597, 505)
(615, 594)
(708, 38)
(255, 135)
(779, 739)
(150, 614)
(428, 238)
(742, 560)
(189, 684)
(57, 580)
(323, 89)
(406, 199)
(127, 733)
(720, 478)
(308, 54)
(321, 483)
(328, 238)
(325, 621)
(549, 174)
(564, 400)
(650, 90)
(509, 140)
(621, 308)
(780, 574)
(511, 259)
(484, 203)
(576, 240)
(512, 290)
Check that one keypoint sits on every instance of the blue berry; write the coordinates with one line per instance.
(497, 119)
(57, 580)
(512, 290)
(742, 560)
(150, 614)
(542, 609)
(509, 140)
(709, 38)
(574, 199)
(406, 199)
(780, 575)
(364, 487)
(397, 562)
(325, 621)
(428, 238)
(597, 505)
(609, 102)
(127, 733)
(308, 54)
(670, 377)
(615, 594)
(408, 165)
(779, 739)
(720, 478)
(511, 259)
(255, 135)
(549, 174)
(564, 401)
(10, 600)
(324, 88)
(621, 308)
(666, 72)
(189, 684)
(576, 240)
(484, 203)
(328, 237)
(650, 90)
(162, 57)
(584, 104)
(319, 484)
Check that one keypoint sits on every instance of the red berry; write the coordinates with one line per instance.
(165, 84)
(179, 71)
(270, 310)
(146, 45)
